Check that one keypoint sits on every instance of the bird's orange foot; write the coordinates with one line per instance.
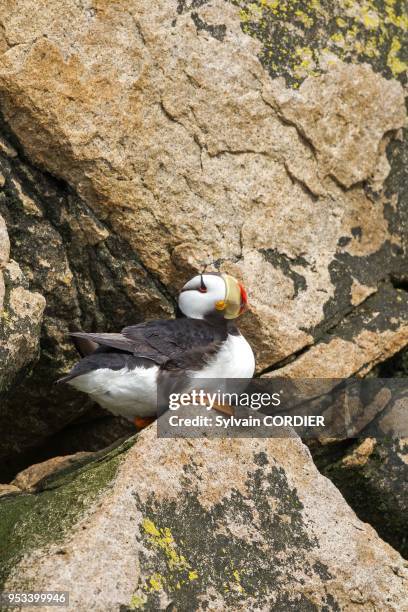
(224, 409)
(142, 422)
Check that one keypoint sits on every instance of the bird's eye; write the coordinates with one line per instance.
(202, 288)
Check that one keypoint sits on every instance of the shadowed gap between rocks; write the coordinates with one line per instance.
(79, 272)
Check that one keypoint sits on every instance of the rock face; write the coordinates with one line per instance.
(21, 313)
(189, 144)
(86, 284)
(203, 524)
(174, 149)
(372, 473)
(140, 142)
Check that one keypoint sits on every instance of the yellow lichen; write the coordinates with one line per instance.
(371, 49)
(137, 602)
(150, 527)
(156, 582)
(162, 539)
(369, 17)
(270, 4)
(357, 30)
(395, 64)
(337, 37)
(307, 64)
(315, 5)
(238, 584)
(304, 18)
(399, 21)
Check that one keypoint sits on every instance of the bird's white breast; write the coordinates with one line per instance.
(235, 359)
(124, 392)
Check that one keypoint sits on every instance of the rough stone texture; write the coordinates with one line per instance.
(300, 38)
(4, 257)
(4, 246)
(138, 143)
(372, 473)
(6, 489)
(278, 534)
(21, 313)
(31, 476)
(342, 116)
(187, 147)
(173, 149)
(87, 284)
(374, 331)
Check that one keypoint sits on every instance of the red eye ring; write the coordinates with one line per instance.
(203, 290)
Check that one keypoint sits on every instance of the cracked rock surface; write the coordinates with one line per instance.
(372, 476)
(86, 279)
(194, 156)
(152, 141)
(372, 472)
(140, 142)
(21, 312)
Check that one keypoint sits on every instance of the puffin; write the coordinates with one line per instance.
(122, 371)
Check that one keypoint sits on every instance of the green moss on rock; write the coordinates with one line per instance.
(32, 521)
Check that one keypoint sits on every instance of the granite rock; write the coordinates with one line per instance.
(199, 524)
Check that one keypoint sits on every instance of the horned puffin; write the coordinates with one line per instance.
(121, 371)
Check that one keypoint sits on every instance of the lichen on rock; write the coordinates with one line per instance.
(139, 143)
(36, 519)
(228, 524)
(299, 38)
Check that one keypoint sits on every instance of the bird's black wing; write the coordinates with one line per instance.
(181, 342)
(115, 341)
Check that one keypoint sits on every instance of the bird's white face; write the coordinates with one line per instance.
(207, 294)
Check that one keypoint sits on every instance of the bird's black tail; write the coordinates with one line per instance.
(84, 346)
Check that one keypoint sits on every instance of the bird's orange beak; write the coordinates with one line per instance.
(236, 299)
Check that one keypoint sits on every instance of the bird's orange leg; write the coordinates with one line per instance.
(224, 409)
(142, 422)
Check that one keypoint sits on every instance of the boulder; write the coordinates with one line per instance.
(372, 473)
(198, 524)
(142, 142)
(21, 312)
(193, 156)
